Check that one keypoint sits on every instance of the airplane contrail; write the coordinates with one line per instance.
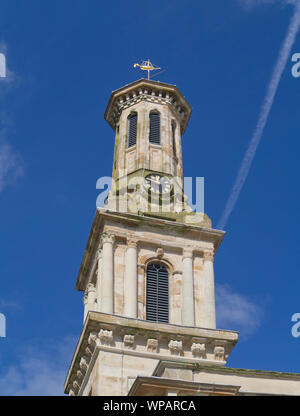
(278, 69)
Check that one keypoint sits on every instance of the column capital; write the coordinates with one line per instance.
(187, 253)
(107, 238)
(131, 242)
(90, 287)
(208, 255)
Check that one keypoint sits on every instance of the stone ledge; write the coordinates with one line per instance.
(201, 366)
(126, 336)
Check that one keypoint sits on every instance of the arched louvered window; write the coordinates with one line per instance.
(157, 293)
(173, 138)
(154, 135)
(132, 129)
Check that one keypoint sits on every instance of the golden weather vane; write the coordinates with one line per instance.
(146, 66)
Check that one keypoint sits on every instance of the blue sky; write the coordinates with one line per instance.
(64, 59)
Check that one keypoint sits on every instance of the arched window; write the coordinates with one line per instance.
(154, 134)
(173, 137)
(157, 293)
(132, 129)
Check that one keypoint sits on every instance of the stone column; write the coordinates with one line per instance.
(99, 279)
(188, 313)
(107, 285)
(209, 289)
(131, 279)
(89, 299)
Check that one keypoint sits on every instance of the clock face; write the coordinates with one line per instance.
(157, 184)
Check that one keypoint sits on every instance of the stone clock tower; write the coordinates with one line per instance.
(147, 273)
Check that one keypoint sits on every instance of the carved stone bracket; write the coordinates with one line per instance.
(76, 386)
(219, 352)
(198, 349)
(175, 347)
(152, 345)
(89, 351)
(79, 374)
(84, 363)
(105, 337)
(92, 339)
(128, 341)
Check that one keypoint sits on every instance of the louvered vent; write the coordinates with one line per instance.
(132, 128)
(154, 136)
(157, 297)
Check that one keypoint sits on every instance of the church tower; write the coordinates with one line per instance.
(147, 273)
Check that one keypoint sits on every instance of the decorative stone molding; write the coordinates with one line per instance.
(160, 253)
(208, 255)
(198, 350)
(105, 337)
(152, 345)
(176, 272)
(89, 351)
(92, 339)
(219, 353)
(128, 341)
(120, 335)
(90, 287)
(84, 363)
(79, 374)
(132, 242)
(147, 90)
(187, 253)
(76, 385)
(107, 238)
(175, 347)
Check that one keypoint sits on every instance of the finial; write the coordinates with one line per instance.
(146, 66)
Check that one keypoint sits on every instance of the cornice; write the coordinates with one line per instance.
(118, 334)
(152, 91)
(131, 221)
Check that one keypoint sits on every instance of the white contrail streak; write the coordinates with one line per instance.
(263, 117)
